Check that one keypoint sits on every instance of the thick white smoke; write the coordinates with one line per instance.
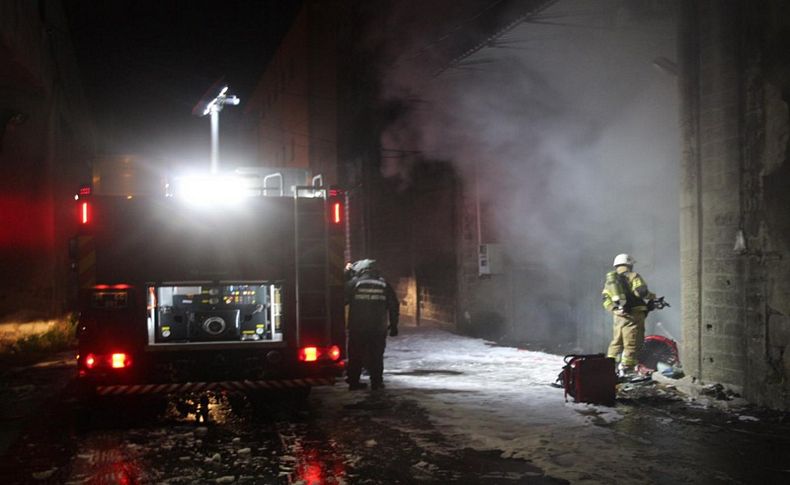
(572, 134)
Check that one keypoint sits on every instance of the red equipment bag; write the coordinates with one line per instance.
(590, 378)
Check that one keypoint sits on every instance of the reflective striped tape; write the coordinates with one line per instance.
(135, 389)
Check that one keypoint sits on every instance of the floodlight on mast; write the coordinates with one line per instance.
(213, 108)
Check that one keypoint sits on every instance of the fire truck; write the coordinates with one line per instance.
(227, 282)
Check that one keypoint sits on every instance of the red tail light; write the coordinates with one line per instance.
(85, 212)
(119, 361)
(337, 212)
(334, 352)
(308, 354)
(312, 354)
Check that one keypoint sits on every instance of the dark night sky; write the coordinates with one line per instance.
(145, 64)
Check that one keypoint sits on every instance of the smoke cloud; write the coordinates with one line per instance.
(569, 131)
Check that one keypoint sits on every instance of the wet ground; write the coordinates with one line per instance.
(689, 442)
(372, 438)
(390, 436)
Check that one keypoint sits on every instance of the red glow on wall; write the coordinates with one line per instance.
(26, 222)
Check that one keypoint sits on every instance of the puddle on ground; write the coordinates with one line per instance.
(427, 372)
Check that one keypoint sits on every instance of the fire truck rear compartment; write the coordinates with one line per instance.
(212, 312)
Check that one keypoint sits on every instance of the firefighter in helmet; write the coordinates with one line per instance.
(373, 309)
(625, 294)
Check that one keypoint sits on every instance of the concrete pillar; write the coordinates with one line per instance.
(712, 274)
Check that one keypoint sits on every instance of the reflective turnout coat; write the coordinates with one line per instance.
(636, 292)
(372, 305)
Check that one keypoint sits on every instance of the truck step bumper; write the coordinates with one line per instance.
(136, 389)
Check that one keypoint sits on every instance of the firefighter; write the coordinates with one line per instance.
(373, 309)
(625, 294)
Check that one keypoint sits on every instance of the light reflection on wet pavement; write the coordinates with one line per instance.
(378, 439)
(235, 446)
(372, 438)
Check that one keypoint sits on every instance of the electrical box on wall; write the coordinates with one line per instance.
(490, 259)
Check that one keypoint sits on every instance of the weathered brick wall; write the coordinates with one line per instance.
(766, 185)
(735, 225)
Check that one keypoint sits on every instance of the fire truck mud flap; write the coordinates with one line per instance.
(148, 389)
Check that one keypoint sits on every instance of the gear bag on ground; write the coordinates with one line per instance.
(589, 378)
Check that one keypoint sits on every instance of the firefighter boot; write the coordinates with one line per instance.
(357, 386)
(625, 372)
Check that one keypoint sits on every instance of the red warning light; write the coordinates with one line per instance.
(308, 354)
(119, 360)
(337, 212)
(334, 352)
(85, 190)
(85, 213)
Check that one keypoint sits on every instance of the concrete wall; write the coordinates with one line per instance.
(46, 141)
(735, 229)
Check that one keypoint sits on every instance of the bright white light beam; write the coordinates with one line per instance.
(210, 190)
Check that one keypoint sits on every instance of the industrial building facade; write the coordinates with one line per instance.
(46, 139)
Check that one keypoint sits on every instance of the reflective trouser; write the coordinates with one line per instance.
(366, 348)
(629, 333)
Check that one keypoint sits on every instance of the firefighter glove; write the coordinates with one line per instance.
(393, 331)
